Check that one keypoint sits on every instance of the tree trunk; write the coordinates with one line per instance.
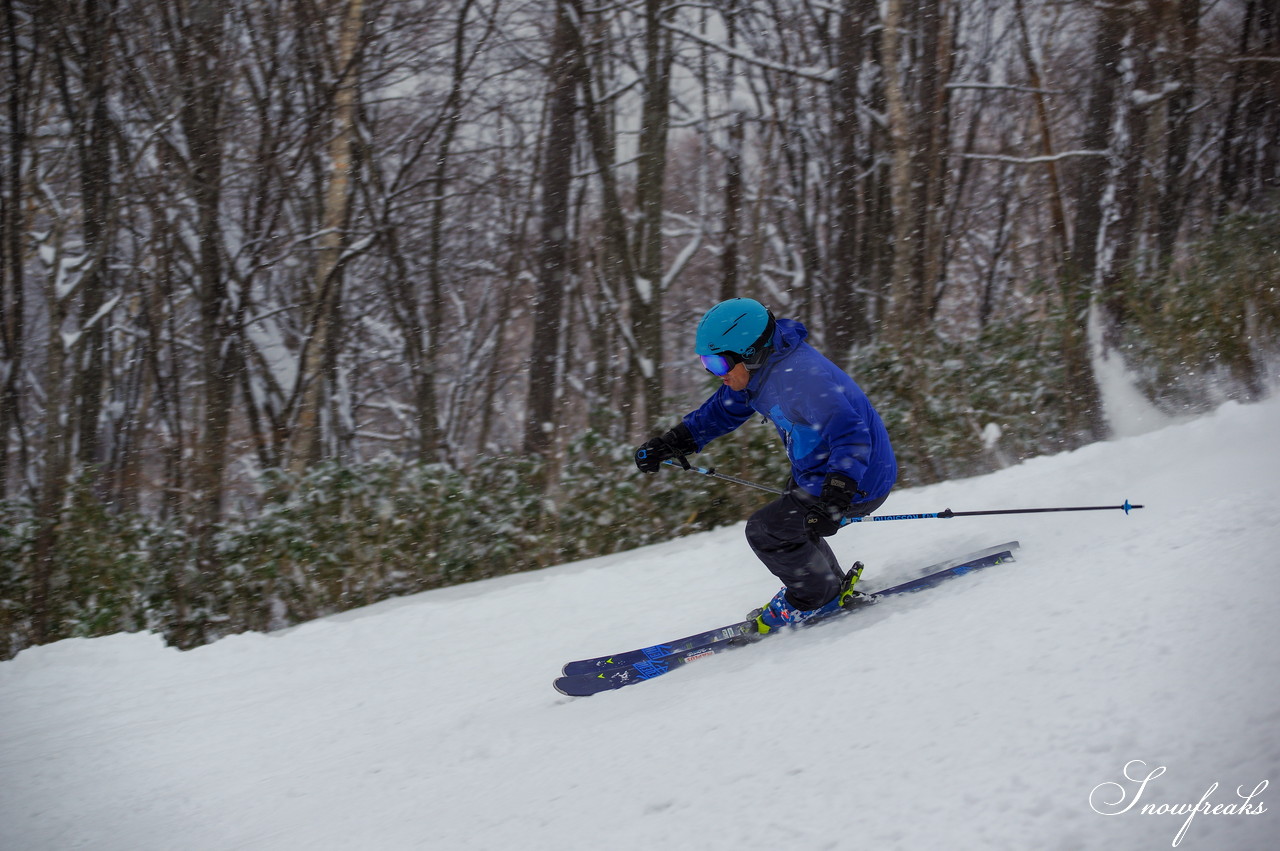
(74, 360)
(431, 443)
(326, 296)
(200, 116)
(1250, 161)
(647, 284)
(93, 150)
(1173, 186)
(1057, 208)
(906, 314)
(876, 244)
(850, 320)
(1129, 192)
(931, 131)
(553, 245)
(56, 453)
(617, 260)
(1084, 415)
(735, 136)
(12, 225)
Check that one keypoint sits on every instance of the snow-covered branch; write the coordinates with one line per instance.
(1062, 155)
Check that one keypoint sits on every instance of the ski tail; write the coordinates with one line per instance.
(943, 571)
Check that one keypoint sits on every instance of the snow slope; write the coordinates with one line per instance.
(1000, 711)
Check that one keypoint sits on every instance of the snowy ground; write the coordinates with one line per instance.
(997, 712)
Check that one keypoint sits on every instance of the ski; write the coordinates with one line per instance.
(741, 632)
(736, 633)
(605, 673)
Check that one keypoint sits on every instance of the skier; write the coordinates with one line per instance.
(842, 464)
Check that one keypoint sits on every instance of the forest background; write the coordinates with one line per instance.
(308, 303)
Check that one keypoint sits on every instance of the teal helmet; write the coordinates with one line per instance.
(734, 331)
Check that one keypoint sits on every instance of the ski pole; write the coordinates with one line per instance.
(948, 513)
(945, 514)
(713, 474)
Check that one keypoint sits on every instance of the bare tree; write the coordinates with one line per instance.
(1084, 414)
(1035, 82)
(735, 140)
(1174, 189)
(20, 62)
(1249, 165)
(852, 284)
(325, 298)
(646, 290)
(197, 31)
(554, 241)
(906, 303)
(80, 245)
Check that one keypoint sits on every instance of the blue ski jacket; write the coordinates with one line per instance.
(822, 415)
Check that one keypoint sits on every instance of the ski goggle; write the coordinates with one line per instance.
(720, 365)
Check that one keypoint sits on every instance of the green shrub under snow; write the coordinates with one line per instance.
(339, 537)
(1209, 331)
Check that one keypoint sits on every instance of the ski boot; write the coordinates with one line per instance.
(779, 613)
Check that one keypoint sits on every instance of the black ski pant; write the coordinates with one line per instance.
(801, 558)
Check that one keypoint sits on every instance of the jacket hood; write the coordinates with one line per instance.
(788, 334)
(787, 337)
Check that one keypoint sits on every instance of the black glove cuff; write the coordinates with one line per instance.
(681, 440)
(839, 491)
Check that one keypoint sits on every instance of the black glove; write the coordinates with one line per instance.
(824, 516)
(676, 443)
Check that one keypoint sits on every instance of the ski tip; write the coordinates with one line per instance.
(557, 684)
(588, 666)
